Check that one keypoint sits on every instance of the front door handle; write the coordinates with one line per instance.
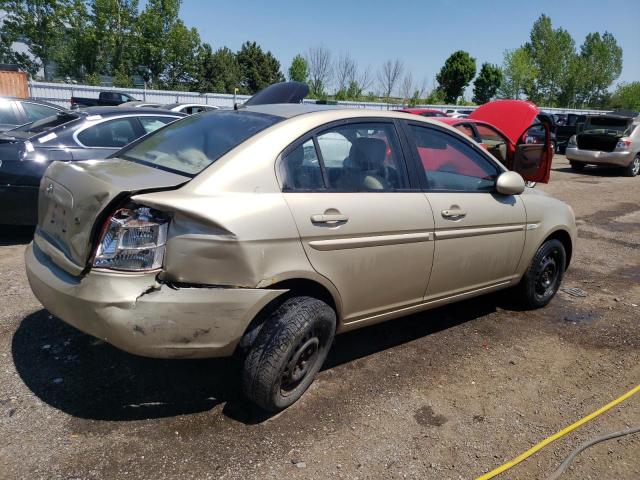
(455, 214)
(329, 218)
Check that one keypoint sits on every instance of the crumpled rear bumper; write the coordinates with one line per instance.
(620, 159)
(139, 315)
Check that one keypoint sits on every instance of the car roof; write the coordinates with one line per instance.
(289, 110)
(117, 110)
(420, 110)
(33, 100)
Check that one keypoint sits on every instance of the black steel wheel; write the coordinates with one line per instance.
(288, 352)
(542, 279)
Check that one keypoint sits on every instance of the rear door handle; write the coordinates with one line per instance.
(329, 218)
(454, 214)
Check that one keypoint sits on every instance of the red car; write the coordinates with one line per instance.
(502, 128)
(425, 112)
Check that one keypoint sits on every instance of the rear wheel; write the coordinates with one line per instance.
(288, 352)
(633, 168)
(577, 166)
(544, 275)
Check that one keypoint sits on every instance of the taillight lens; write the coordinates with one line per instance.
(623, 144)
(133, 239)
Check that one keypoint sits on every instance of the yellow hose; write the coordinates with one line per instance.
(557, 435)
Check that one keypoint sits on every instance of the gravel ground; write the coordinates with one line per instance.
(450, 393)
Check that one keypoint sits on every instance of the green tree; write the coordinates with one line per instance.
(219, 71)
(626, 96)
(257, 68)
(76, 56)
(121, 78)
(181, 57)
(519, 74)
(40, 24)
(152, 35)
(458, 70)
(299, 70)
(601, 62)
(113, 28)
(552, 51)
(8, 55)
(487, 83)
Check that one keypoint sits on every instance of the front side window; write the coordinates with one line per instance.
(110, 134)
(450, 163)
(192, 144)
(36, 112)
(362, 157)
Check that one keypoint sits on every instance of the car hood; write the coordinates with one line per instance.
(512, 117)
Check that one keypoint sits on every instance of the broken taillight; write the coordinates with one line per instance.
(132, 239)
(623, 144)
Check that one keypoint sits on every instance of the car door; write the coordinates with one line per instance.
(363, 224)
(479, 233)
(533, 158)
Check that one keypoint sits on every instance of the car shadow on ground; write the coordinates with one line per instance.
(15, 235)
(87, 378)
(593, 171)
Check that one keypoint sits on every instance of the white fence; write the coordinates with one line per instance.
(61, 93)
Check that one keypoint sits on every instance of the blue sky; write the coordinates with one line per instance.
(421, 33)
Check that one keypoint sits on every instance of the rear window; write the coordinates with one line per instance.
(607, 125)
(193, 143)
(46, 123)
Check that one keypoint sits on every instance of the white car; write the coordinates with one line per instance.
(189, 108)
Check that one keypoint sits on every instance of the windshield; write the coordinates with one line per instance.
(44, 124)
(190, 145)
(608, 126)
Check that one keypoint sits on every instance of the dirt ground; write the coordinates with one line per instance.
(446, 394)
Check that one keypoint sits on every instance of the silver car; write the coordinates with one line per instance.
(611, 140)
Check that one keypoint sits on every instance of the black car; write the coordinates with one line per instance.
(17, 111)
(93, 133)
(537, 134)
(104, 99)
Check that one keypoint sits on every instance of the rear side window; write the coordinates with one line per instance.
(362, 157)
(450, 164)
(110, 134)
(300, 169)
(356, 157)
(36, 112)
(192, 144)
(151, 124)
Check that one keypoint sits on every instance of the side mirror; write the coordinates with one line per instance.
(510, 183)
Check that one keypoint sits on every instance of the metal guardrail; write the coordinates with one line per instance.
(61, 93)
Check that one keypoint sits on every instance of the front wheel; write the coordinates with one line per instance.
(633, 168)
(542, 279)
(288, 352)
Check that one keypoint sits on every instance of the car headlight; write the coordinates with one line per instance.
(133, 239)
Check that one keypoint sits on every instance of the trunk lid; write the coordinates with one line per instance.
(73, 198)
(513, 117)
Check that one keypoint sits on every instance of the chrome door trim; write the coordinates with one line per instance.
(372, 241)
